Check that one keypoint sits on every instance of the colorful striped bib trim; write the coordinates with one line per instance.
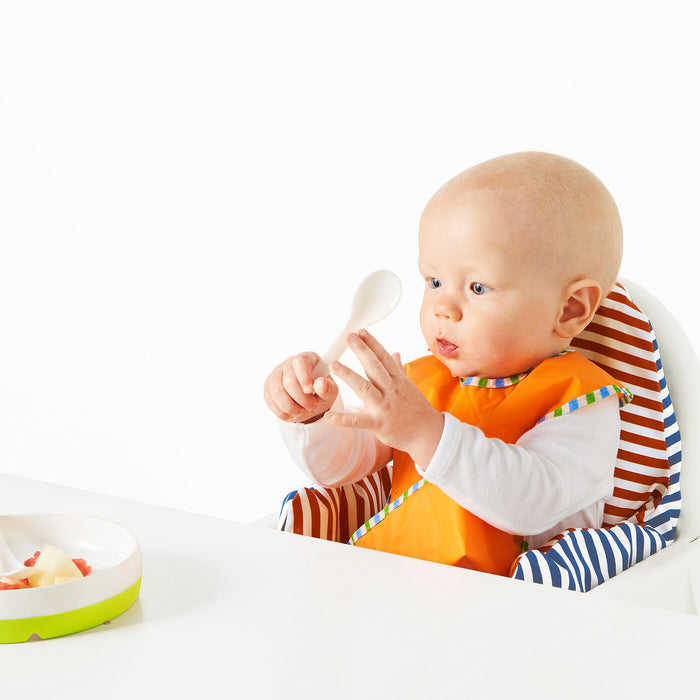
(486, 383)
(378, 517)
(624, 397)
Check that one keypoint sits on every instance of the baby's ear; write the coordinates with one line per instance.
(581, 301)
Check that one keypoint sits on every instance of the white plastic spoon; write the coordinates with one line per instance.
(375, 298)
(10, 566)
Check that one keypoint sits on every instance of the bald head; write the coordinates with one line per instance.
(561, 213)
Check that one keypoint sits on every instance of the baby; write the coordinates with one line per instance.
(502, 437)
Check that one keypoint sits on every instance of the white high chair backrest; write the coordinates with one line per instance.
(621, 340)
(682, 371)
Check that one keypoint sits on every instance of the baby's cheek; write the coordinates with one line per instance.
(424, 318)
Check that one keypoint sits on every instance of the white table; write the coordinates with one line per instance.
(248, 612)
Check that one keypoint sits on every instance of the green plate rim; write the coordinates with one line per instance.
(60, 624)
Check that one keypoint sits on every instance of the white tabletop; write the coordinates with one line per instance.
(251, 612)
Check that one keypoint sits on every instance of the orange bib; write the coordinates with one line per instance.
(420, 520)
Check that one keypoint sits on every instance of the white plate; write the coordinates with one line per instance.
(50, 611)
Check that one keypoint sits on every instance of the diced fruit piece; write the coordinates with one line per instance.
(51, 563)
(84, 567)
(32, 560)
(8, 584)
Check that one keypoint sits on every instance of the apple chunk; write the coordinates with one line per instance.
(53, 566)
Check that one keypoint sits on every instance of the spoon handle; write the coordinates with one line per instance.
(333, 353)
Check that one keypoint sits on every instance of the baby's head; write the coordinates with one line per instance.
(517, 254)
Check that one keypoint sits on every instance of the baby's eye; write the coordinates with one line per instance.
(434, 283)
(478, 288)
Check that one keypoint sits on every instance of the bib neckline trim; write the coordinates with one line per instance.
(500, 382)
(493, 383)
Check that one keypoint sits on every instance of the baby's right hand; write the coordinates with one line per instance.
(292, 394)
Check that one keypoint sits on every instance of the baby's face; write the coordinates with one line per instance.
(489, 306)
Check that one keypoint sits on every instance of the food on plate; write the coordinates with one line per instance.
(52, 565)
(8, 584)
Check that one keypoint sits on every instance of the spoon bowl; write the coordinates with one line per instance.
(375, 298)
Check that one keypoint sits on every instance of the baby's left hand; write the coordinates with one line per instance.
(394, 410)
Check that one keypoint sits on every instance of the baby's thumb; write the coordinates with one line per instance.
(325, 388)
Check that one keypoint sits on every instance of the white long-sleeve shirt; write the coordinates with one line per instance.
(557, 475)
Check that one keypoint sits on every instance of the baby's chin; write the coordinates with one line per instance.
(463, 371)
(456, 368)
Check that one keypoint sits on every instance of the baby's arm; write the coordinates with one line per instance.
(327, 454)
(333, 456)
(556, 470)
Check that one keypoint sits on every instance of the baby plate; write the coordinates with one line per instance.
(72, 606)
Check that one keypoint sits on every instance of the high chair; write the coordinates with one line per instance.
(671, 578)
(643, 515)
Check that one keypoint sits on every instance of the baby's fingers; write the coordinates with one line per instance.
(282, 404)
(364, 389)
(297, 382)
(326, 389)
(303, 365)
(350, 420)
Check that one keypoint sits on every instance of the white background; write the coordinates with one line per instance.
(190, 192)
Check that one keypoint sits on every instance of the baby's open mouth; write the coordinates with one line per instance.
(446, 348)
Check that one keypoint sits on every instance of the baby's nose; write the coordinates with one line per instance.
(449, 310)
